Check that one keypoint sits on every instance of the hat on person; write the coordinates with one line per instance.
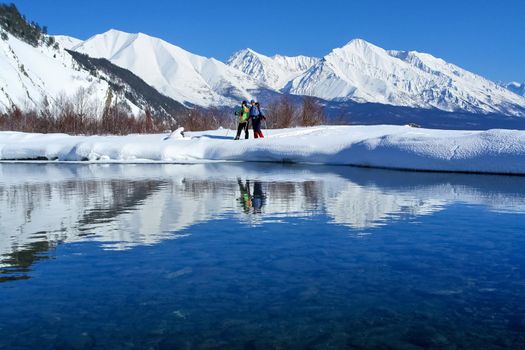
(252, 101)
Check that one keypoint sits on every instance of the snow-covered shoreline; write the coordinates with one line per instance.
(383, 146)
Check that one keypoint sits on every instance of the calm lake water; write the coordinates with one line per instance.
(236, 256)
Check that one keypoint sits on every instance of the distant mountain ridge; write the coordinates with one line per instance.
(364, 72)
(275, 71)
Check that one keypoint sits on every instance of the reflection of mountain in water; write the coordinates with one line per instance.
(125, 205)
(362, 207)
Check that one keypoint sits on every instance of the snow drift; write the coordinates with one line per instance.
(396, 147)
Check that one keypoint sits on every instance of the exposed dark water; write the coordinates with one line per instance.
(259, 257)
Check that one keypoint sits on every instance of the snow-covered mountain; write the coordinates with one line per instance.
(175, 72)
(517, 88)
(33, 77)
(275, 71)
(125, 84)
(359, 71)
(364, 72)
(30, 75)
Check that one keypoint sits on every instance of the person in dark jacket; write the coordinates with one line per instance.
(244, 115)
(256, 118)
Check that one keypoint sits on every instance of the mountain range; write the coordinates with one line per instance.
(363, 72)
(150, 73)
(358, 71)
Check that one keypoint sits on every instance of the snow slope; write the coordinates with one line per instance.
(364, 72)
(518, 88)
(67, 42)
(275, 71)
(29, 74)
(175, 72)
(397, 147)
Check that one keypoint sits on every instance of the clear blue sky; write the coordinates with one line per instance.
(487, 37)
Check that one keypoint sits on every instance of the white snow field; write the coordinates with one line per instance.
(384, 146)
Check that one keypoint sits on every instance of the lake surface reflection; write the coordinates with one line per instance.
(259, 256)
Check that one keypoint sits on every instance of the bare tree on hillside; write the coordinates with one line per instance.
(311, 112)
(281, 113)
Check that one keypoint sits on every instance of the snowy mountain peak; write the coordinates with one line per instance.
(245, 54)
(359, 46)
(357, 42)
(357, 49)
(275, 71)
(251, 51)
(173, 71)
(363, 72)
(110, 42)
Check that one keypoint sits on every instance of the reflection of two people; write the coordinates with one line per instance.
(251, 202)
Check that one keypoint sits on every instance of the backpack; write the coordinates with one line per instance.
(254, 112)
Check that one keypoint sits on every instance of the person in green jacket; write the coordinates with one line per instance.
(244, 115)
(246, 198)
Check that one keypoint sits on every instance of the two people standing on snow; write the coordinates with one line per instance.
(246, 114)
